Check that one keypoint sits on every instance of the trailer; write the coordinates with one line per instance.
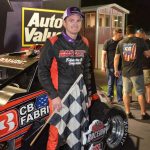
(98, 26)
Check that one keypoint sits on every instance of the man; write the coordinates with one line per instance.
(130, 49)
(108, 54)
(146, 64)
(64, 57)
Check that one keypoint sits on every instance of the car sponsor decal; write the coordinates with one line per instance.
(95, 134)
(8, 122)
(16, 122)
(33, 110)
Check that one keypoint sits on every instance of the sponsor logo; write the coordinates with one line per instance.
(12, 61)
(75, 56)
(39, 24)
(34, 110)
(8, 122)
(97, 131)
(71, 53)
(74, 61)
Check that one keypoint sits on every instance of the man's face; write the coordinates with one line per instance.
(140, 35)
(118, 36)
(73, 24)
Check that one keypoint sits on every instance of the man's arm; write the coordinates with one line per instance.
(44, 75)
(103, 60)
(44, 65)
(147, 53)
(116, 63)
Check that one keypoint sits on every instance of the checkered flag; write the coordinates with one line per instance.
(72, 120)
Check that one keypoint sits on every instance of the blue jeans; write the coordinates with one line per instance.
(114, 80)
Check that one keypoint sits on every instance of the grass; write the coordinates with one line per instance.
(105, 87)
(101, 81)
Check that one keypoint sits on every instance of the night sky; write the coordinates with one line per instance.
(139, 10)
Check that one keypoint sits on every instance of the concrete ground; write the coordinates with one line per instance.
(139, 131)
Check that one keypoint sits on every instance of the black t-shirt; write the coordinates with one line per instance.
(131, 50)
(146, 61)
(110, 46)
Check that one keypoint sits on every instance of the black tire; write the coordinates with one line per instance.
(116, 117)
(118, 131)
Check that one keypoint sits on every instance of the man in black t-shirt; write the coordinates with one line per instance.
(131, 49)
(108, 54)
(146, 64)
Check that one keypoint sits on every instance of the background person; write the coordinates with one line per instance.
(146, 64)
(64, 57)
(130, 49)
(108, 54)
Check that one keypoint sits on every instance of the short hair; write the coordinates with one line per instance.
(141, 30)
(118, 30)
(130, 29)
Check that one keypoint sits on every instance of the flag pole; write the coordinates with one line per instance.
(48, 120)
(50, 117)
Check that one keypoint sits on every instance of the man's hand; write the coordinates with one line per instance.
(103, 61)
(147, 53)
(56, 102)
(117, 73)
(89, 102)
(116, 63)
(103, 69)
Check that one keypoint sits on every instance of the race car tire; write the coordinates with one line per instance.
(118, 132)
(117, 119)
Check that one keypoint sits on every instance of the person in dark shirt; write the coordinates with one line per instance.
(108, 54)
(146, 64)
(130, 49)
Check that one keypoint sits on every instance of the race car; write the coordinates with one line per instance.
(24, 109)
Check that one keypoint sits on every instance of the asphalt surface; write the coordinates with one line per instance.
(139, 130)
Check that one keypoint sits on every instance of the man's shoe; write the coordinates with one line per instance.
(145, 117)
(130, 116)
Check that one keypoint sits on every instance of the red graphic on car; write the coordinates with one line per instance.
(8, 122)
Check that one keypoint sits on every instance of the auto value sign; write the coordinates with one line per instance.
(39, 24)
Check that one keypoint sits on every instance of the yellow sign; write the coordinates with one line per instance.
(39, 24)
